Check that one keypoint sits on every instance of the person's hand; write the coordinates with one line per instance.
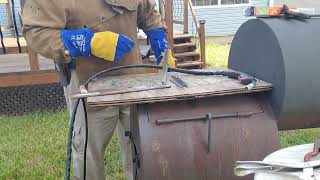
(171, 62)
(158, 40)
(106, 45)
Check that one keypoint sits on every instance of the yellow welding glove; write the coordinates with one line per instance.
(110, 46)
(171, 61)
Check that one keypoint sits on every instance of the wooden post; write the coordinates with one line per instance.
(202, 36)
(33, 60)
(33, 56)
(185, 17)
(169, 21)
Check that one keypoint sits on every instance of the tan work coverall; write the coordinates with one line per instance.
(43, 21)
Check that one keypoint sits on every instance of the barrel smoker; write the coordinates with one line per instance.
(199, 131)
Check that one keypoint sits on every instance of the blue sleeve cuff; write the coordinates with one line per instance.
(124, 46)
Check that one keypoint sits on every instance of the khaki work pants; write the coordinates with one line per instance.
(102, 123)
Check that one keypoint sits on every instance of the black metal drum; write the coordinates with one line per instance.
(285, 53)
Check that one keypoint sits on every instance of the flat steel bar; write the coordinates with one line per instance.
(117, 91)
(165, 67)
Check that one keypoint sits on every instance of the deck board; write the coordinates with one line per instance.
(12, 42)
(19, 63)
(11, 45)
(199, 86)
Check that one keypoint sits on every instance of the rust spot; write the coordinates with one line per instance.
(156, 147)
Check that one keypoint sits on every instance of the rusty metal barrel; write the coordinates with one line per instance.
(286, 53)
(201, 138)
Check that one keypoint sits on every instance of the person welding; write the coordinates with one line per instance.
(87, 36)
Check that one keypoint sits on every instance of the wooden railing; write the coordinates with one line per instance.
(12, 22)
(33, 56)
(167, 8)
(36, 75)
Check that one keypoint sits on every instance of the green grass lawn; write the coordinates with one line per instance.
(33, 146)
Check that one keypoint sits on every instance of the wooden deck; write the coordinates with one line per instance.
(15, 70)
(19, 63)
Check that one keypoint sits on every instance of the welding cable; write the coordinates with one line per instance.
(244, 79)
(15, 25)
(2, 43)
(70, 134)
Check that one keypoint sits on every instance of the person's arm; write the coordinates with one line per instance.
(43, 21)
(149, 17)
(152, 23)
(45, 24)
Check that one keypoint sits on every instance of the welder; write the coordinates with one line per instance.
(84, 37)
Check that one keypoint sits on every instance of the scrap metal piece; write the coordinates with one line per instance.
(178, 81)
(165, 67)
